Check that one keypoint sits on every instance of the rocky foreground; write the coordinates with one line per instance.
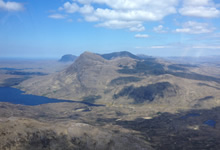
(78, 126)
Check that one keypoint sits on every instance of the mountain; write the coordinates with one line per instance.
(119, 54)
(68, 58)
(129, 81)
(147, 103)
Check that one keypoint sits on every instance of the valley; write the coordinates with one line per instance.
(112, 101)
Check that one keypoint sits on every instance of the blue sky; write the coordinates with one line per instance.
(40, 28)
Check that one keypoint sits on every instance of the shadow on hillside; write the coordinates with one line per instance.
(196, 129)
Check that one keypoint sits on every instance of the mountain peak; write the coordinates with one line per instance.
(86, 59)
(119, 54)
(88, 55)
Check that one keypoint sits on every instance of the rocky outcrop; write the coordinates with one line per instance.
(26, 134)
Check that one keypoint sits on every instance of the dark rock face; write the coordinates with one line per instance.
(196, 129)
(176, 68)
(124, 80)
(181, 67)
(144, 67)
(91, 98)
(204, 84)
(68, 58)
(206, 98)
(146, 93)
(119, 54)
(194, 76)
(152, 67)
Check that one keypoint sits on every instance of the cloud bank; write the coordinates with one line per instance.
(11, 6)
(192, 27)
(199, 8)
(118, 14)
(133, 14)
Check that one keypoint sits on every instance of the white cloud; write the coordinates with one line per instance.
(57, 16)
(133, 26)
(141, 36)
(116, 24)
(140, 15)
(11, 6)
(70, 7)
(206, 47)
(117, 13)
(198, 2)
(159, 47)
(206, 12)
(86, 9)
(192, 27)
(159, 29)
(91, 18)
(131, 4)
(200, 8)
(137, 28)
(181, 46)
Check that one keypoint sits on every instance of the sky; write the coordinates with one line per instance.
(52, 28)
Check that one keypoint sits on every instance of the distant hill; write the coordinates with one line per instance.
(142, 56)
(195, 60)
(68, 58)
(119, 54)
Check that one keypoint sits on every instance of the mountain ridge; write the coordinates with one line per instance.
(121, 80)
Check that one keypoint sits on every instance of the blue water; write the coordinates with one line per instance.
(16, 96)
(210, 123)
